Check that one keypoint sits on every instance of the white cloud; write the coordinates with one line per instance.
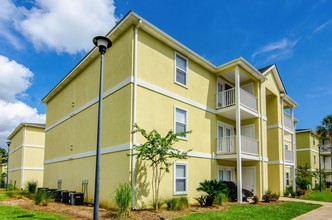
(276, 50)
(323, 26)
(15, 79)
(9, 16)
(67, 26)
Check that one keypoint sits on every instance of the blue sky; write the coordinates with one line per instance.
(41, 40)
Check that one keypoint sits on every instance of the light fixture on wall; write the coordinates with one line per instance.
(102, 43)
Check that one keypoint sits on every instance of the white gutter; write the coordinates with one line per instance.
(282, 96)
(134, 116)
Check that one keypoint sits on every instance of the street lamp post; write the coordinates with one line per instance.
(102, 43)
(8, 144)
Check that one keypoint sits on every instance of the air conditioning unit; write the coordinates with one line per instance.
(76, 198)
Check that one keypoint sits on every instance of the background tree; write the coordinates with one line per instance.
(304, 176)
(159, 153)
(324, 131)
(3, 155)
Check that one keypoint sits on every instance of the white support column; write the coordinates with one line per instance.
(283, 142)
(262, 188)
(238, 134)
(293, 139)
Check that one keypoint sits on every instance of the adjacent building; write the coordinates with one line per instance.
(26, 154)
(308, 144)
(241, 118)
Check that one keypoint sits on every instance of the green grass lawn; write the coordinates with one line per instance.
(13, 212)
(324, 196)
(3, 195)
(286, 210)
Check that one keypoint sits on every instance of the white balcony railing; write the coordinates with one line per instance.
(227, 98)
(248, 100)
(288, 122)
(289, 155)
(249, 145)
(227, 145)
(326, 148)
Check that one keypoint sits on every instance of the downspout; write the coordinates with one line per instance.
(134, 103)
(262, 142)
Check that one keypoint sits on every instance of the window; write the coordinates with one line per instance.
(287, 179)
(181, 75)
(315, 160)
(226, 173)
(180, 120)
(180, 178)
(286, 147)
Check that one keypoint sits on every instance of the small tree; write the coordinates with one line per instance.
(3, 155)
(160, 154)
(303, 176)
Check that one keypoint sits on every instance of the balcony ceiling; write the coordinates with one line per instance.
(230, 76)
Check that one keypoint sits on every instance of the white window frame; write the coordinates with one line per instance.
(315, 160)
(229, 168)
(186, 71)
(186, 178)
(287, 178)
(187, 120)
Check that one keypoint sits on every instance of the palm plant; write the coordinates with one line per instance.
(324, 131)
(212, 188)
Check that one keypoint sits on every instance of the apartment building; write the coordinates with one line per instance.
(26, 154)
(237, 115)
(308, 144)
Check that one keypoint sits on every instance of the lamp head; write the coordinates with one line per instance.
(8, 143)
(102, 43)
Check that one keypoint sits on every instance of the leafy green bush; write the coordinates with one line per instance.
(286, 193)
(328, 184)
(302, 183)
(11, 186)
(123, 198)
(293, 194)
(212, 188)
(11, 193)
(42, 198)
(177, 203)
(219, 198)
(31, 186)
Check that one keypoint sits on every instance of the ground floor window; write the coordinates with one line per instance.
(226, 173)
(287, 178)
(180, 178)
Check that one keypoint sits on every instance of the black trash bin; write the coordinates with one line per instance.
(57, 195)
(76, 198)
(64, 196)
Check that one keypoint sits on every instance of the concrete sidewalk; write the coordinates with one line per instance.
(324, 212)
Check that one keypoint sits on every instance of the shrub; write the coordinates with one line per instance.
(31, 186)
(300, 192)
(123, 198)
(11, 186)
(286, 193)
(219, 199)
(328, 184)
(42, 198)
(212, 188)
(269, 196)
(201, 200)
(293, 194)
(255, 199)
(11, 193)
(177, 203)
(302, 183)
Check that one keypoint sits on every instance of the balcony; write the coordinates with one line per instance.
(227, 98)
(288, 122)
(289, 156)
(226, 145)
(325, 149)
